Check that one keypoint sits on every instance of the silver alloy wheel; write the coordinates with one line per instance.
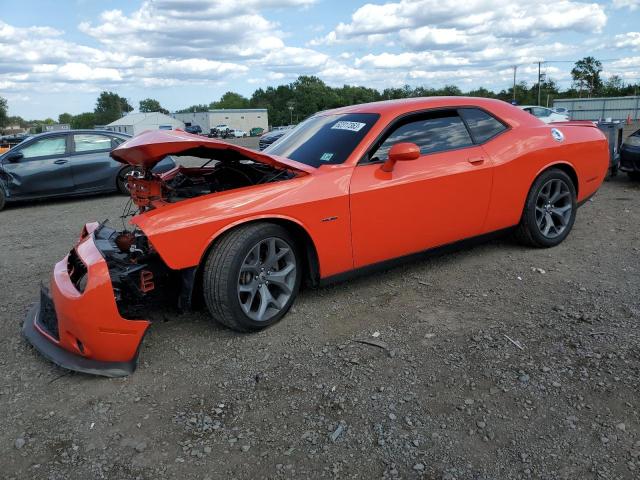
(267, 278)
(554, 207)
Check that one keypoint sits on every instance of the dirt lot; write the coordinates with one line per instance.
(445, 395)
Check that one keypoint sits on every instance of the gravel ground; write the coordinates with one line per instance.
(494, 362)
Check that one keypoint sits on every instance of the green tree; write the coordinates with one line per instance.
(84, 120)
(65, 118)
(4, 108)
(613, 87)
(481, 92)
(16, 120)
(149, 105)
(231, 100)
(586, 75)
(109, 107)
(194, 108)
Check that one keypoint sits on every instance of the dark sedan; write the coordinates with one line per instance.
(65, 163)
(270, 137)
(630, 155)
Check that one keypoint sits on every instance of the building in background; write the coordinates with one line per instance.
(56, 127)
(135, 123)
(236, 118)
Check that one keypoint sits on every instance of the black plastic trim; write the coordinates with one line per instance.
(68, 360)
(394, 262)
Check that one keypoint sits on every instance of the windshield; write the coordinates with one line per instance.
(324, 139)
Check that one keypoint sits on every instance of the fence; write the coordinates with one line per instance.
(614, 108)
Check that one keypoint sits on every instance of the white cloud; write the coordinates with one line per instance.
(433, 22)
(219, 29)
(630, 4)
(629, 39)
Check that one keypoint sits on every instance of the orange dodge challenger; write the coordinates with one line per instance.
(345, 190)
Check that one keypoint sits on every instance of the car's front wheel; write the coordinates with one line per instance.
(550, 210)
(252, 276)
(2, 199)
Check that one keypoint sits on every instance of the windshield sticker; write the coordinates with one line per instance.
(351, 126)
(326, 157)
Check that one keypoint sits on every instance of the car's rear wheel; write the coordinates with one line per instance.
(635, 176)
(252, 276)
(550, 210)
(2, 199)
(121, 180)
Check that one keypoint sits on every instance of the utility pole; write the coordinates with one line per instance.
(515, 67)
(539, 81)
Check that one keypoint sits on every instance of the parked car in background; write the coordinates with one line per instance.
(65, 163)
(256, 131)
(237, 133)
(195, 129)
(271, 137)
(562, 110)
(219, 131)
(347, 190)
(630, 155)
(545, 114)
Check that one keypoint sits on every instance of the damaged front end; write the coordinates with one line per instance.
(106, 292)
(101, 300)
(77, 322)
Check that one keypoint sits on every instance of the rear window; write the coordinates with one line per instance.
(91, 142)
(324, 139)
(482, 125)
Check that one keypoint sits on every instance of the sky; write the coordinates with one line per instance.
(57, 56)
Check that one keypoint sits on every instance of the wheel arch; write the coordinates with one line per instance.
(302, 237)
(564, 166)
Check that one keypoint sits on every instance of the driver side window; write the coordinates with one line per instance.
(433, 132)
(45, 147)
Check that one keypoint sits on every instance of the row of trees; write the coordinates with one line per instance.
(307, 95)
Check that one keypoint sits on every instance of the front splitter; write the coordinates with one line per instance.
(69, 360)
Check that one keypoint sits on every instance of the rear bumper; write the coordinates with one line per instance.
(84, 331)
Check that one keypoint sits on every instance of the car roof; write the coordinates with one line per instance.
(393, 108)
(79, 130)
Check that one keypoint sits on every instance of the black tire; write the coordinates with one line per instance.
(222, 269)
(121, 180)
(635, 176)
(529, 231)
(3, 201)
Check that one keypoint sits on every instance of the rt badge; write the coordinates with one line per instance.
(557, 135)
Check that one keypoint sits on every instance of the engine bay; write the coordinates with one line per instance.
(149, 190)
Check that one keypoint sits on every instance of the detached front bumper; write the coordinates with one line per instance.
(83, 330)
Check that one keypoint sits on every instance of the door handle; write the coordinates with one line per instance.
(476, 160)
(62, 161)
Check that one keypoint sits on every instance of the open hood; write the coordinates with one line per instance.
(152, 146)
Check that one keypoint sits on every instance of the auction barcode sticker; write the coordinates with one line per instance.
(351, 126)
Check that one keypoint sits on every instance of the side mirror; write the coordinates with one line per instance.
(14, 157)
(400, 152)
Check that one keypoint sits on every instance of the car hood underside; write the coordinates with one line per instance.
(149, 148)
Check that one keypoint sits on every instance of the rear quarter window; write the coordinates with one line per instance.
(482, 125)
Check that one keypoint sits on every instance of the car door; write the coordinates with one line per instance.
(92, 167)
(42, 168)
(439, 198)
